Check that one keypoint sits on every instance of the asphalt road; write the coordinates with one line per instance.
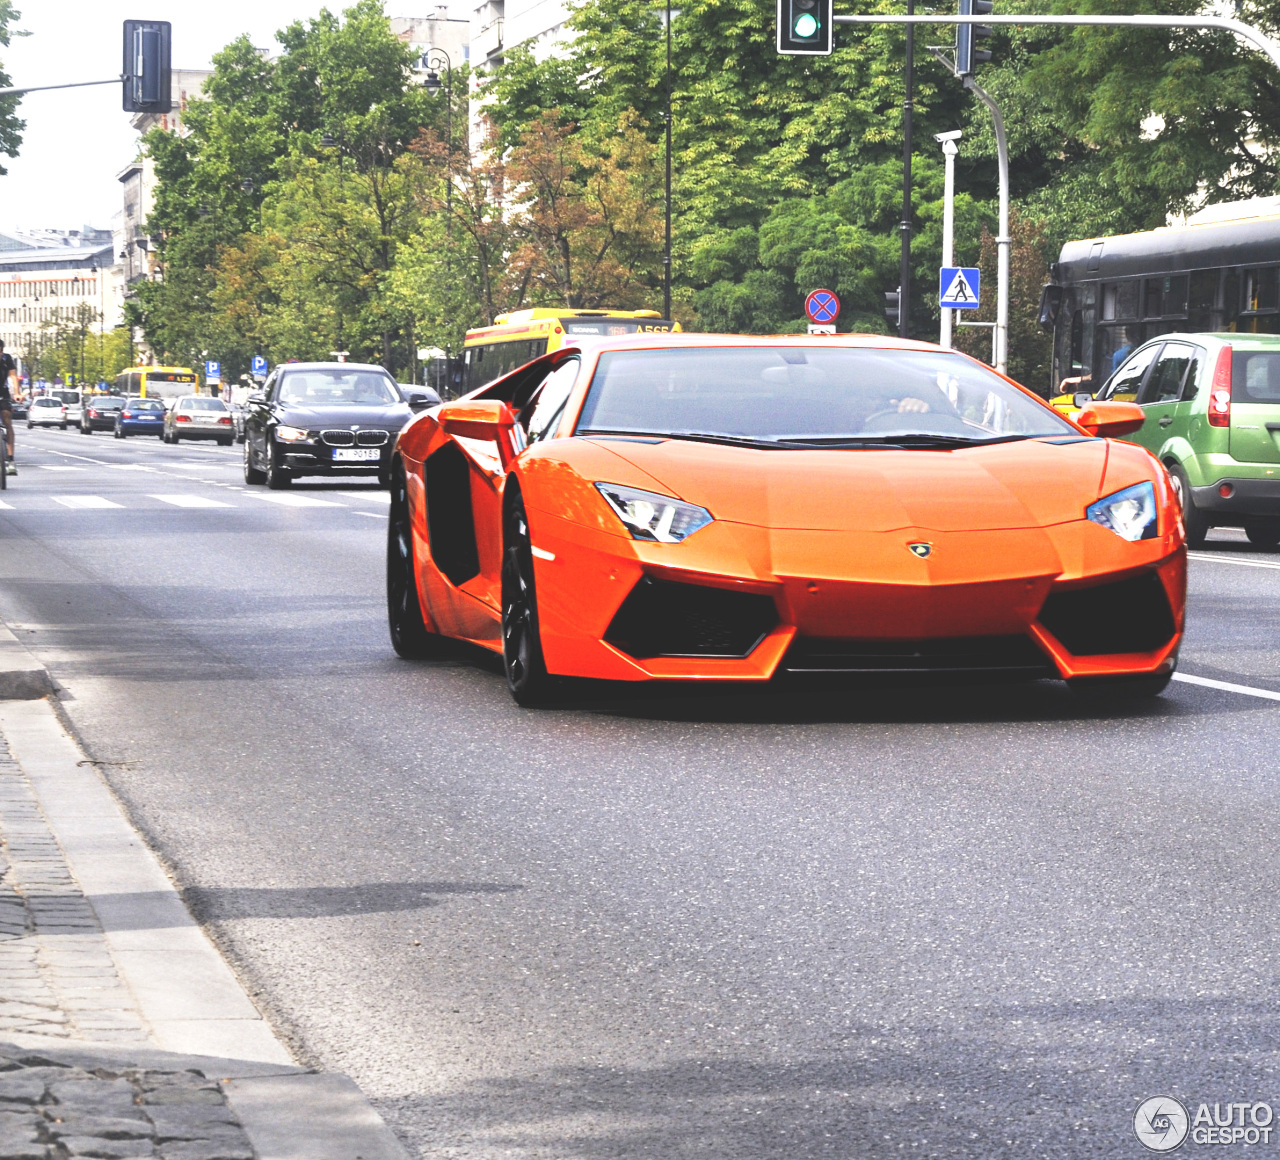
(950, 922)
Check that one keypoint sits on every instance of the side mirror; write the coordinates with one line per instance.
(256, 397)
(1110, 420)
(492, 422)
(1082, 399)
(421, 400)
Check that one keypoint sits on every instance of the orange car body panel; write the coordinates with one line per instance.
(824, 533)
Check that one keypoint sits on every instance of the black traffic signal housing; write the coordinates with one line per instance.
(805, 27)
(148, 66)
(968, 54)
(893, 309)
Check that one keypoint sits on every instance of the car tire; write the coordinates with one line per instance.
(1263, 535)
(1194, 520)
(1120, 688)
(410, 636)
(527, 678)
(251, 474)
(63, 426)
(277, 476)
(86, 430)
(30, 424)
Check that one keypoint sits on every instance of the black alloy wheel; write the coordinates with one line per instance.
(1194, 520)
(527, 676)
(251, 473)
(278, 475)
(410, 636)
(1263, 534)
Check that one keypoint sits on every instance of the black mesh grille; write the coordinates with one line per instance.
(966, 654)
(371, 438)
(339, 438)
(1124, 617)
(663, 618)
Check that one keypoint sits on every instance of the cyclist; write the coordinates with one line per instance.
(8, 389)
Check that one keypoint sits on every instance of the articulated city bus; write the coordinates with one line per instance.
(491, 351)
(1219, 272)
(156, 382)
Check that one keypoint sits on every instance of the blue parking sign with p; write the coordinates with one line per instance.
(212, 371)
(259, 366)
(959, 287)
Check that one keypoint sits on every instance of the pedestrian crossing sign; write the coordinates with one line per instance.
(959, 287)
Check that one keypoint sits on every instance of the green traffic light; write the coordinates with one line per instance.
(805, 26)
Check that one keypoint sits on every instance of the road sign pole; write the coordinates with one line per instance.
(1000, 341)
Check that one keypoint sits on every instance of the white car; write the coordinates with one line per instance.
(198, 417)
(47, 411)
(74, 403)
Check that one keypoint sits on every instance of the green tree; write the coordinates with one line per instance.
(10, 125)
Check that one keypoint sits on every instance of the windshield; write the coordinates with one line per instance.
(144, 405)
(788, 395)
(46, 402)
(106, 404)
(69, 396)
(326, 387)
(203, 405)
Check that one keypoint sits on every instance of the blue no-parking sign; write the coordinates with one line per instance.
(822, 307)
(258, 368)
(959, 287)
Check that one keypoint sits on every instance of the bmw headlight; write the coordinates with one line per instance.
(1130, 513)
(649, 516)
(291, 434)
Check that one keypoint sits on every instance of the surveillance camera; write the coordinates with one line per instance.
(954, 135)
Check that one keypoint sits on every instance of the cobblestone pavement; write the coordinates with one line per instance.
(57, 976)
(53, 1110)
(57, 979)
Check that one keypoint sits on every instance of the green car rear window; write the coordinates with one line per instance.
(1255, 376)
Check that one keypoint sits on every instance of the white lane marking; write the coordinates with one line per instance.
(542, 553)
(299, 501)
(1230, 560)
(85, 501)
(7, 506)
(69, 455)
(373, 515)
(1227, 687)
(192, 501)
(131, 467)
(57, 467)
(372, 496)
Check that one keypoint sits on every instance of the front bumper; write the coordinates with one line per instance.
(1009, 605)
(318, 460)
(1249, 497)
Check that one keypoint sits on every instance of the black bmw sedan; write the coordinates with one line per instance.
(334, 419)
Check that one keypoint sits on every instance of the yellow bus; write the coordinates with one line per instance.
(158, 382)
(489, 352)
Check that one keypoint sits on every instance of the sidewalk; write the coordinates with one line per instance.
(123, 1033)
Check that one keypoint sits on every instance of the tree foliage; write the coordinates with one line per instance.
(11, 125)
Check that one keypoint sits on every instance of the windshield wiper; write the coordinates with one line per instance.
(696, 436)
(911, 439)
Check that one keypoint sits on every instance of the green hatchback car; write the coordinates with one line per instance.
(1212, 404)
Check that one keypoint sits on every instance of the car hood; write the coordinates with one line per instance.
(391, 417)
(1029, 483)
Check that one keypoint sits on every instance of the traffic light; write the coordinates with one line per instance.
(893, 309)
(804, 27)
(968, 55)
(147, 66)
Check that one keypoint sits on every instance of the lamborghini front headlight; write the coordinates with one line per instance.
(1130, 513)
(650, 516)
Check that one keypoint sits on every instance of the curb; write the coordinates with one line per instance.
(288, 1113)
(22, 677)
(195, 1006)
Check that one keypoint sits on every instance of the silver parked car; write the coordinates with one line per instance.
(198, 417)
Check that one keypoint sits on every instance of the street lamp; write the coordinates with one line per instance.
(431, 60)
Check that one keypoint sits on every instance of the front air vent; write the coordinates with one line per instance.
(1127, 616)
(338, 438)
(1015, 656)
(371, 438)
(661, 618)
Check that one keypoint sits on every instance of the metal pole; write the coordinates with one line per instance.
(949, 151)
(448, 96)
(904, 273)
(666, 253)
(1000, 339)
(1245, 31)
(45, 88)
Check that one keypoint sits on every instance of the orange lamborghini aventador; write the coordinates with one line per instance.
(713, 508)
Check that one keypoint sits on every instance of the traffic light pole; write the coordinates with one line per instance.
(1258, 39)
(45, 88)
(1000, 347)
(904, 275)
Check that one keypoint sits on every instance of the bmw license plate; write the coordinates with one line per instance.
(356, 455)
